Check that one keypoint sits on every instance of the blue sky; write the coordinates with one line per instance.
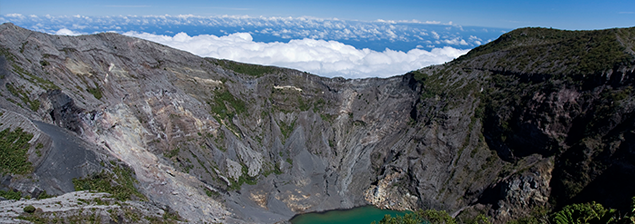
(568, 14)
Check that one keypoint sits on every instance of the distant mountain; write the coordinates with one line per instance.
(537, 119)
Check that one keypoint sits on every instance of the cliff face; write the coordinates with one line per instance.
(514, 125)
(563, 96)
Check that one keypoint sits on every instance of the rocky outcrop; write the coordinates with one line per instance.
(386, 195)
(75, 206)
(64, 113)
(500, 129)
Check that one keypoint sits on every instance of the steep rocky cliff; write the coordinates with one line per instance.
(537, 118)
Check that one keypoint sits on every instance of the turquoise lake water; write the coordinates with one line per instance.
(361, 215)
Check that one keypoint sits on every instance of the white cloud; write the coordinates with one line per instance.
(66, 32)
(18, 15)
(472, 37)
(435, 35)
(455, 41)
(400, 35)
(325, 58)
(386, 21)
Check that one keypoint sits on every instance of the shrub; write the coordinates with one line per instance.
(247, 69)
(584, 213)
(23, 94)
(434, 216)
(427, 216)
(224, 105)
(29, 209)
(13, 151)
(119, 183)
(11, 195)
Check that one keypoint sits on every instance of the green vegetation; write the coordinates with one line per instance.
(119, 183)
(172, 153)
(585, 213)
(590, 212)
(318, 105)
(23, 94)
(220, 140)
(34, 218)
(288, 100)
(427, 216)
(22, 47)
(432, 217)
(435, 216)
(290, 161)
(225, 106)
(172, 216)
(13, 151)
(497, 104)
(244, 178)
(188, 165)
(271, 169)
(201, 163)
(431, 84)
(607, 105)
(29, 209)
(577, 52)
(132, 216)
(42, 83)
(277, 170)
(126, 212)
(7, 55)
(98, 201)
(247, 69)
(210, 193)
(327, 117)
(572, 214)
(286, 129)
(411, 218)
(302, 105)
(439, 84)
(44, 195)
(95, 91)
(11, 195)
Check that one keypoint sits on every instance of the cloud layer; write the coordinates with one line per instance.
(325, 58)
(375, 35)
(326, 47)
